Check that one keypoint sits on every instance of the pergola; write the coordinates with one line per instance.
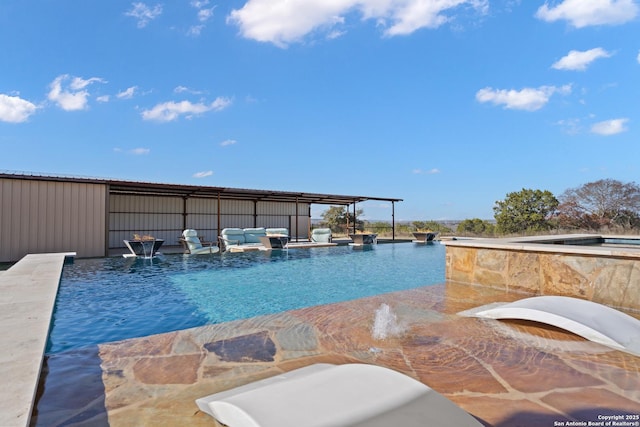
(227, 193)
(142, 188)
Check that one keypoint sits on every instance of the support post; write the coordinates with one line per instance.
(355, 220)
(255, 213)
(393, 220)
(296, 219)
(184, 213)
(218, 217)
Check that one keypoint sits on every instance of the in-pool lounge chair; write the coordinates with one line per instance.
(321, 235)
(355, 395)
(195, 246)
(241, 239)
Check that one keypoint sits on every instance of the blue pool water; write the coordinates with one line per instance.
(110, 299)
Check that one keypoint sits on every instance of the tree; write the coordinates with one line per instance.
(600, 204)
(476, 226)
(526, 210)
(337, 218)
(379, 226)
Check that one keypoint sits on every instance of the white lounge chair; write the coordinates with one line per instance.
(321, 235)
(323, 395)
(595, 322)
(195, 246)
(240, 240)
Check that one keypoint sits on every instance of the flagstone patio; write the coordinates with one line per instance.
(503, 373)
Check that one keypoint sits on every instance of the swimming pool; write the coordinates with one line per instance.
(110, 299)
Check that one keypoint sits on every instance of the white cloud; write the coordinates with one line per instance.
(195, 30)
(14, 109)
(181, 89)
(282, 22)
(610, 127)
(528, 99)
(78, 83)
(134, 151)
(426, 172)
(583, 13)
(411, 15)
(143, 13)
(205, 14)
(228, 142)
(579, 60)
(570, 126)
(71, 96)
(220, 103)
(199, 4)
(638, 58)
(127, 93)
(202, 174)
(169, 111)
(103, 98)
(140, 151)
(335, 34)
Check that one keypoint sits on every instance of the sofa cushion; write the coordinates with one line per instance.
(235, 236)
(252, 235)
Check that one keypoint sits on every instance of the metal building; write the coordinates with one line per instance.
(90, 216)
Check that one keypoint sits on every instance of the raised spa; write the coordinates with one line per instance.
(598, 268)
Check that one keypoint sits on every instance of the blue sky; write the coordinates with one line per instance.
(447, 104)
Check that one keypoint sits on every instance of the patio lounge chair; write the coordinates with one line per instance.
(239, 239)
(356, 395)
(195, 246)
(321, 235)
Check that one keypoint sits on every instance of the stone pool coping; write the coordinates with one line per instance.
(27, 296)
(543, 244)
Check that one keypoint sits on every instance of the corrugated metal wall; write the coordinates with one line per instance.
(158, 216)
(48, 216)
(166, 217)
(202, 215)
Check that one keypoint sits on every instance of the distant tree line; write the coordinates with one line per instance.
(604, 205)
(338, 219)
(476, 227)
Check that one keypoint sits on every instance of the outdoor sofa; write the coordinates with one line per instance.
(251, 238)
